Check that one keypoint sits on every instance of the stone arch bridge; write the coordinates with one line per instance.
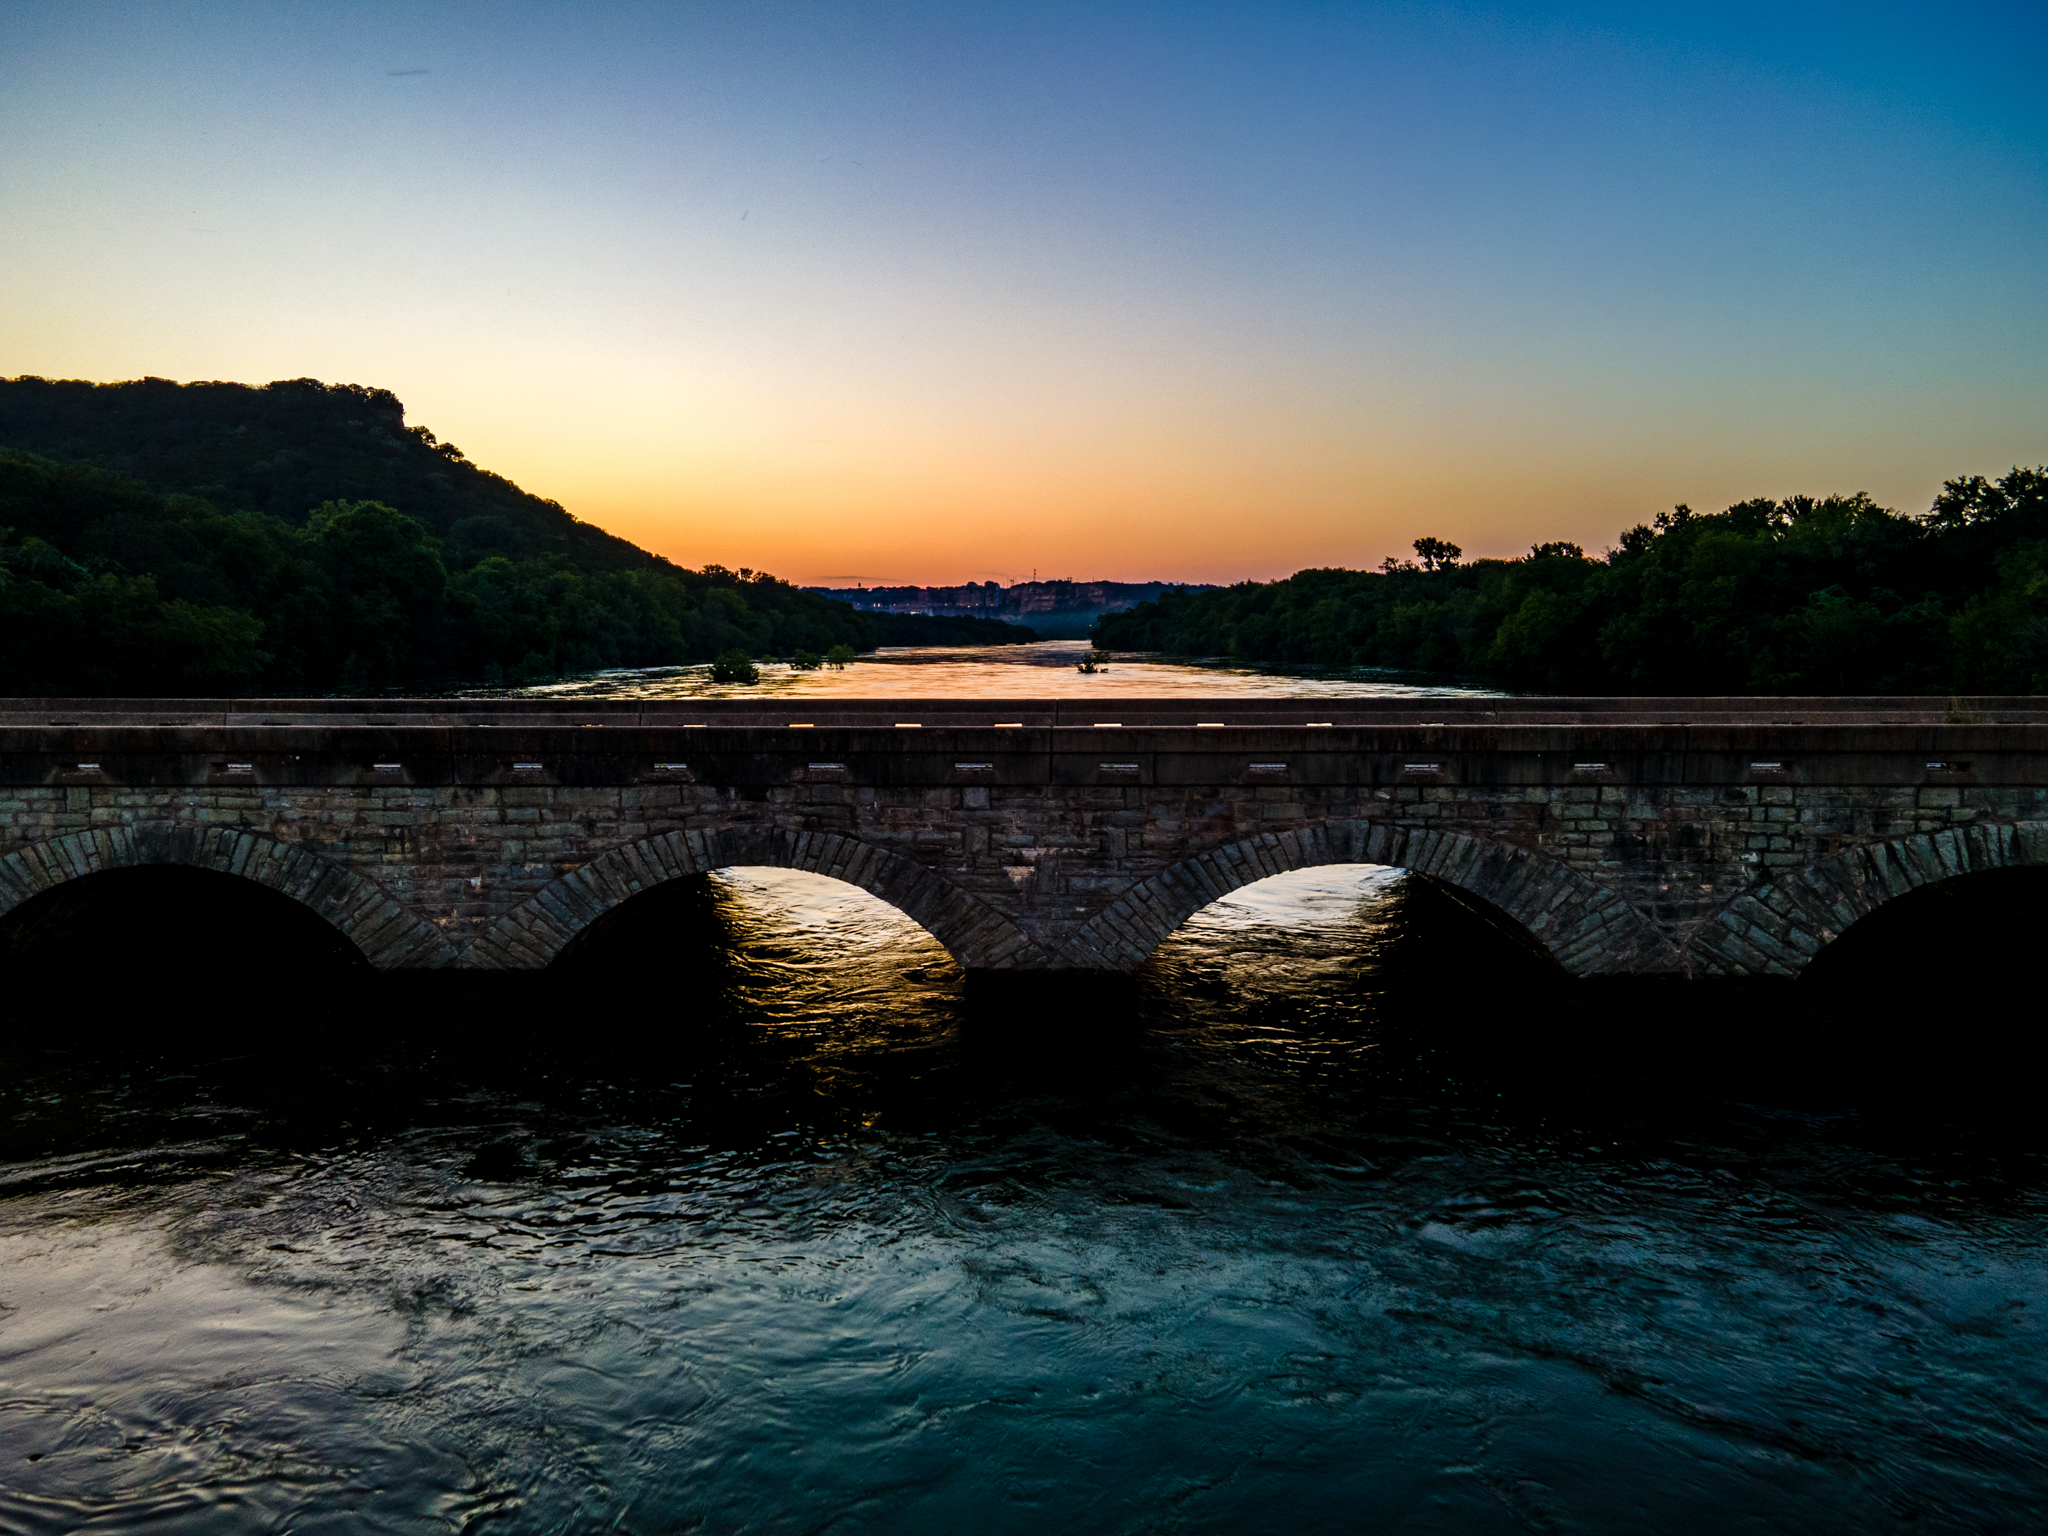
(1697, 837)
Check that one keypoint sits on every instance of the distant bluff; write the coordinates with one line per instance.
(285, 448)
(159, 538)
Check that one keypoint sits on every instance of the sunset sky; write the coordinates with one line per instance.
(954, 291)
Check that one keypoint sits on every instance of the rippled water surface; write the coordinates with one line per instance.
(1047, 669)
(789, 1233)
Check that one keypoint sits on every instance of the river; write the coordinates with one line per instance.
(1045, 670)
(766, 1225)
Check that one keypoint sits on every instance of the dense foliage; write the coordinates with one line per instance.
(165, 538)
(288, 447)
(1835, 595)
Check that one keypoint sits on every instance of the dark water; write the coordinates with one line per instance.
(1344, 1218)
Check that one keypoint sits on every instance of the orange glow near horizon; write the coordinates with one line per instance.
(958, 293)
(899, 506)
(1117, 487)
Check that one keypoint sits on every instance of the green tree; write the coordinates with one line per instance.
(391, 590)
(735, 666)
(333, 595)
(1437, 554)
(1805, 594)
(1999, 639)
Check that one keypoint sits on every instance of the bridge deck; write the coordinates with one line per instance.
(925, 742)
(797, 711)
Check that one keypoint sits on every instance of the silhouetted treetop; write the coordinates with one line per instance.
(1803, 595)
(1437, 554)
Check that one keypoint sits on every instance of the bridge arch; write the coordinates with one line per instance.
(388, 935)
(1776, 928)
(1585, 927)
(539, 929)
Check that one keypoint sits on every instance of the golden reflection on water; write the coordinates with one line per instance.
(814, 921)
(818, 960)
(1045, 669)
(811, 949)
(1284, 968)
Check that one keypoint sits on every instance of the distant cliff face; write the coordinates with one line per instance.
(1056, 609)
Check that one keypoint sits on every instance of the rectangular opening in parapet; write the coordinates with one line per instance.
(1766, 767)
(237, 767)
(1118, 768)
(526, 767)
(1948, 767)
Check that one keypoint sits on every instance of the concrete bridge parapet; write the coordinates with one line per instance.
(1693, 837)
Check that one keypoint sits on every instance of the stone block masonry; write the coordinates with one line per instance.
(1691, 837)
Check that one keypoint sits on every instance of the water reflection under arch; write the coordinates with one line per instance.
(811, 950)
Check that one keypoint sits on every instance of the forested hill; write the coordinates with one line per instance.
(286, 448)
(1806, 595)
(299, 537)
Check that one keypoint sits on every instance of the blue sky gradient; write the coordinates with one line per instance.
(938, 292)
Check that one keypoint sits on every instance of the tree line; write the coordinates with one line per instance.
(227, 571)
(1832, 594)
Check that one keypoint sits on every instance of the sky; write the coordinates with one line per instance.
(944, 292)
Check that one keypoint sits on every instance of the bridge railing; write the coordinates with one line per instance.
(799, 712)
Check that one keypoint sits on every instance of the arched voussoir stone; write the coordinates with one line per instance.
(1588, 928)
(536, 932)
(1777, 927)
(389, 936)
